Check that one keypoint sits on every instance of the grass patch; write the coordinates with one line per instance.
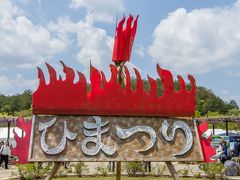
(122, 178)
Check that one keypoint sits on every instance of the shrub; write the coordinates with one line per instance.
(197, 174)
(103, 171)
(62, 172)
(158, 170)
(69, 170)
(183, 172)
(212, 169)
(133, 168)
(80, 168)
(31, 171)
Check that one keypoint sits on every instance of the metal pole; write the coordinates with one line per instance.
(226, 127)
(8, 136)
(213, 128)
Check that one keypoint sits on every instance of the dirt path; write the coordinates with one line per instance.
(8, 173)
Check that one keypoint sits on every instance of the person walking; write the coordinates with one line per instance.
(1, 145)
(238, 149)
(235, 143)
(5, 154)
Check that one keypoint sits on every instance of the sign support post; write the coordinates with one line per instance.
(54, 170)
(118, 170)
(172, 170)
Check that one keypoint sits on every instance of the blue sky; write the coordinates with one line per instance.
(198, 37)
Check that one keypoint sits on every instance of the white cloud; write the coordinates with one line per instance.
(24, 44)
(7, 9)
(228, 96)
(94, 44)
(104, 10)
(16, 85)
(224, 92)
(24, 2)
(139, 50)
(234, 71)
(198, 41)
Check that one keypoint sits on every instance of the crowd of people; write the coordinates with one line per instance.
(227, 155)
(226, 151)
(5, 153)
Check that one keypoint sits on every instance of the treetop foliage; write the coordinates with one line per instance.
(19, 104)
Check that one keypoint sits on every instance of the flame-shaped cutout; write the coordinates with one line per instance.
(124, 39)
(41, 77)
(167, 80)
(70, 75)
(95, 77)
(52, 73)
(153, 87)
(82, 79)
(139, 85)
(193, 83)
(21, 150)
(128, 86)
(114, 72)
(110, 98)
(207, 149)
(104, 81)
(181, 83)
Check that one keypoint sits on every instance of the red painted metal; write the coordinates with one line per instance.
(109, 98)
(124, 39)
(207, 149)
(21, 150)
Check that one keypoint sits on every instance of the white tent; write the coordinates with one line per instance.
(218, 131)
(4, 134)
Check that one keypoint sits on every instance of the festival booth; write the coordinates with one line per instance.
(113, 122)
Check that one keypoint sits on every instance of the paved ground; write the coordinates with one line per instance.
(8, 173)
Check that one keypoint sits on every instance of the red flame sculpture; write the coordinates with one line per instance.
(207, 149)
(109, 98)
(21, 150)
(124, 39)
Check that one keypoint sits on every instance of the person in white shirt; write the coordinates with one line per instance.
(5, 152)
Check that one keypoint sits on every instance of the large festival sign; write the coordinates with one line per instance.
(113, 138)
(111, 121)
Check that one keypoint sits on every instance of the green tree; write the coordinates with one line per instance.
(16, 103)
(232, 105)
(207, 101)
